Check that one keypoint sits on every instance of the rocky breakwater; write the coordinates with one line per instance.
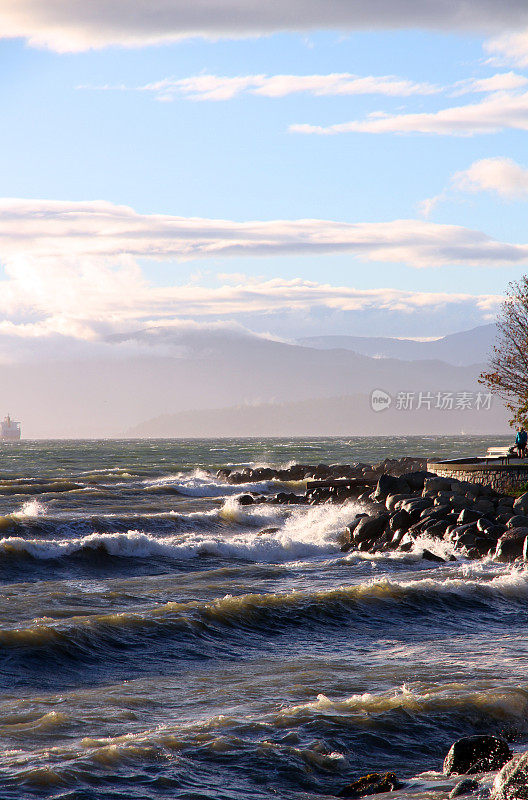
(400, 503)
(301, 472)
(475, 520)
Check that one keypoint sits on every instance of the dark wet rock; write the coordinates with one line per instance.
(246, 500)
(520, 505)
(437, 484)
(466, 786)
(484, 524)
(435, 513)
(416, 480)
(427, 555)
(485, 506)
(494, 531)
(484, 546)
(369, 528)
(415, 507)
(389, 484)
(511, 544)
(364, 497)
(375, 783)
(393, 501)
(460, 530)
(345, 539)
(397, 536)
(518, 521)
(400, 520)
(468, 515)
(267, 531)
(512, 781)
(289, 498)
(476, 754)
(436, 529)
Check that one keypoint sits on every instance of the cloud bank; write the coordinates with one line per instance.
(77, 25)
(97, 232)
(75, 270)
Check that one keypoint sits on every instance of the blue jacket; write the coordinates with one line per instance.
(521, 438)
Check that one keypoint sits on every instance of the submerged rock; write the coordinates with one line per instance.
(476, 754)
(427, 555)
(466, 786)
(375, 783)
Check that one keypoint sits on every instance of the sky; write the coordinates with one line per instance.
(316, 167)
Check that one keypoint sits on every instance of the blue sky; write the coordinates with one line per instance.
(92, 127)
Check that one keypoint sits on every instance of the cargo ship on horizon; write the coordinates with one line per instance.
(9, 430)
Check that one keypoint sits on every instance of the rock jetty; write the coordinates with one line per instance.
(399, 502)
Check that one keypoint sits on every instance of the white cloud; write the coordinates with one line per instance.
(216, 87)
(510, 48)
(277, 303)
(499, 111)
(96, 234)
(72, 269)
(76, 25)
(501, 82)
(498, 175)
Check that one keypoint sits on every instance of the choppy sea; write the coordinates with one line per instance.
(155, 644)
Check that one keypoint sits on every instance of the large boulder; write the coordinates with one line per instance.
(468, 515)
(416, 480)
(375, 783)
(476, 754)
(512, 781)
(437, 484)
(415, 507)
(393, 501)
(345, 538)
(389, 484)
(369, 528)
(400, 520)
(436, 528)
(511, 544)
(517, 521)
(520, 506)
(484, 505)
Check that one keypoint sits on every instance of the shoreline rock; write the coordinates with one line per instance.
(400, 504)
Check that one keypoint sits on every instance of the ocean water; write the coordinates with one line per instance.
(156, 643)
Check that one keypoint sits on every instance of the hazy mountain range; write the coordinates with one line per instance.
(468, 347)
(230, 382)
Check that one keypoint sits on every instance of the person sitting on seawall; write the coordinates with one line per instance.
(521, 440)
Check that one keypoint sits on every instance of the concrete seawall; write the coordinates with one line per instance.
(501, 477)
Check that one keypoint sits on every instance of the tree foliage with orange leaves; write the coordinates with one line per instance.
(507, 374)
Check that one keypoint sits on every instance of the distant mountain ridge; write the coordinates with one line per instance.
(230, 383)
(468, 347)
(350, 415)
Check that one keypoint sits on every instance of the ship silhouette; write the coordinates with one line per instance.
(9, 430)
